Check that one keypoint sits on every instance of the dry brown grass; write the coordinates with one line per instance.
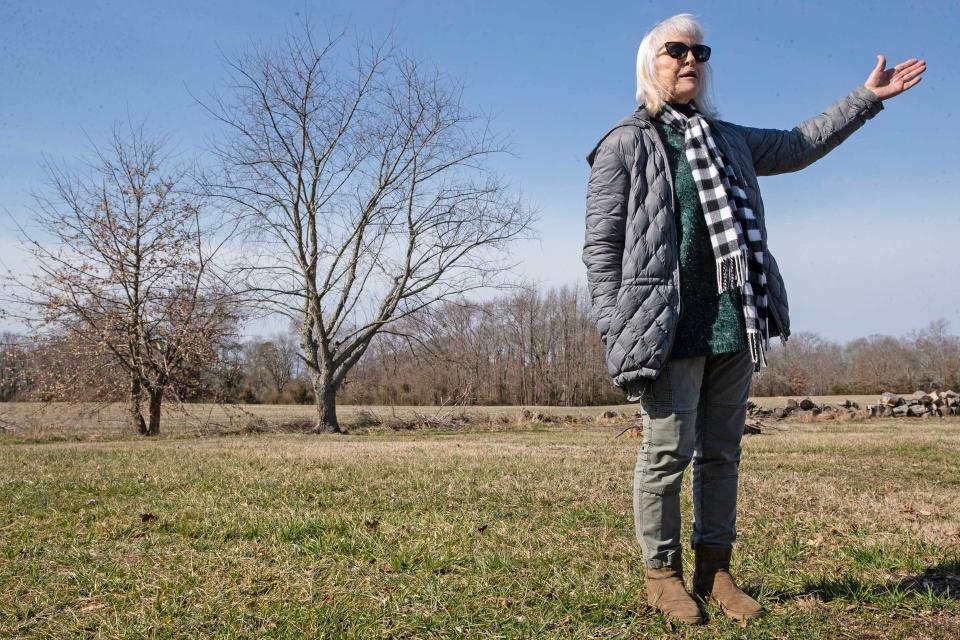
(27, 421)
(34, 421)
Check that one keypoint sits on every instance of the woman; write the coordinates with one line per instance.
(685, 293)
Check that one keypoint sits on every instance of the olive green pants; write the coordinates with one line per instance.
(695, 410)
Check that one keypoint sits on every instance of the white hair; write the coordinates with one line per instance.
(650, 92)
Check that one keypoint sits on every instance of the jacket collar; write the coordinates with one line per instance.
(639, 118)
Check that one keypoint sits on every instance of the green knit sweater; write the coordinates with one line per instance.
(710, 323)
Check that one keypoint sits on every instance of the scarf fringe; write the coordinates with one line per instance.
(756, 349)
(731, 271)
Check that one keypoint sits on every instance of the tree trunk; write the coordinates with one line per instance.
(136, 417)
(326, 399)
(156, 400)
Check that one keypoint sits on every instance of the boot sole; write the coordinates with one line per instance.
(671, 617)
(739, 617)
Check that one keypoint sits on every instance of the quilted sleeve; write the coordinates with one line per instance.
(607, 193)
(779, 151)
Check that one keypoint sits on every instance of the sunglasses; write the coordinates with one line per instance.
(678, 50)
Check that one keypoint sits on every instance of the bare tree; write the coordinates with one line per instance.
(272, 364)
(364, 188)
(491, 352)
(123, 285)
(807, 364)
(881, 363)
(14, 376)
(938, 354)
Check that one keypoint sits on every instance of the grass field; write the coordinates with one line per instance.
(46, 422)
(517, 531)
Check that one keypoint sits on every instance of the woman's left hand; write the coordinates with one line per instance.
(887, 83)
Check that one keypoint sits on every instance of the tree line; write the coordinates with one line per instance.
(532, 346)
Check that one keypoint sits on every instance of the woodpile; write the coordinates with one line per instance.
(807, 408)
(917, 405)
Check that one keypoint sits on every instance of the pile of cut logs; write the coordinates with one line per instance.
(804, 408)
(918, 405)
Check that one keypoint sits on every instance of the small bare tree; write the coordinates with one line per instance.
(123, 284)
(364, 187)
(14, 376)
(272, 364)
(938, 354)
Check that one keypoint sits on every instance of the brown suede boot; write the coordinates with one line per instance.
(712, 579)
(666, 592)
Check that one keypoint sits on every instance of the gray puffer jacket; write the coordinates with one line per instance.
(631, 248)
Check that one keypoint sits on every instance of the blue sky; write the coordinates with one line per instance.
(866, 238)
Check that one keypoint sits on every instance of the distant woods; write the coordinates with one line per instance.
(926, 358)
(528, 347)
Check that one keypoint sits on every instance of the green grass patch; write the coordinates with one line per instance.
(512, 533)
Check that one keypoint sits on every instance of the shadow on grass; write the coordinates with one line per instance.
(942, 581)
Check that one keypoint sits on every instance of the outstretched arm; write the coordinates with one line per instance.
(779, 151)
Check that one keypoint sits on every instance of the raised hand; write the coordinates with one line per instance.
(887, 83)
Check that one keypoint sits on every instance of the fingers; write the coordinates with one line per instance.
(915, 81)
(910, 65)
(906, 63)
(891, 82)
(912, 71)
(910, 75)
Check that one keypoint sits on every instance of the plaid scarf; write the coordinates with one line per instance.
(734, 231)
